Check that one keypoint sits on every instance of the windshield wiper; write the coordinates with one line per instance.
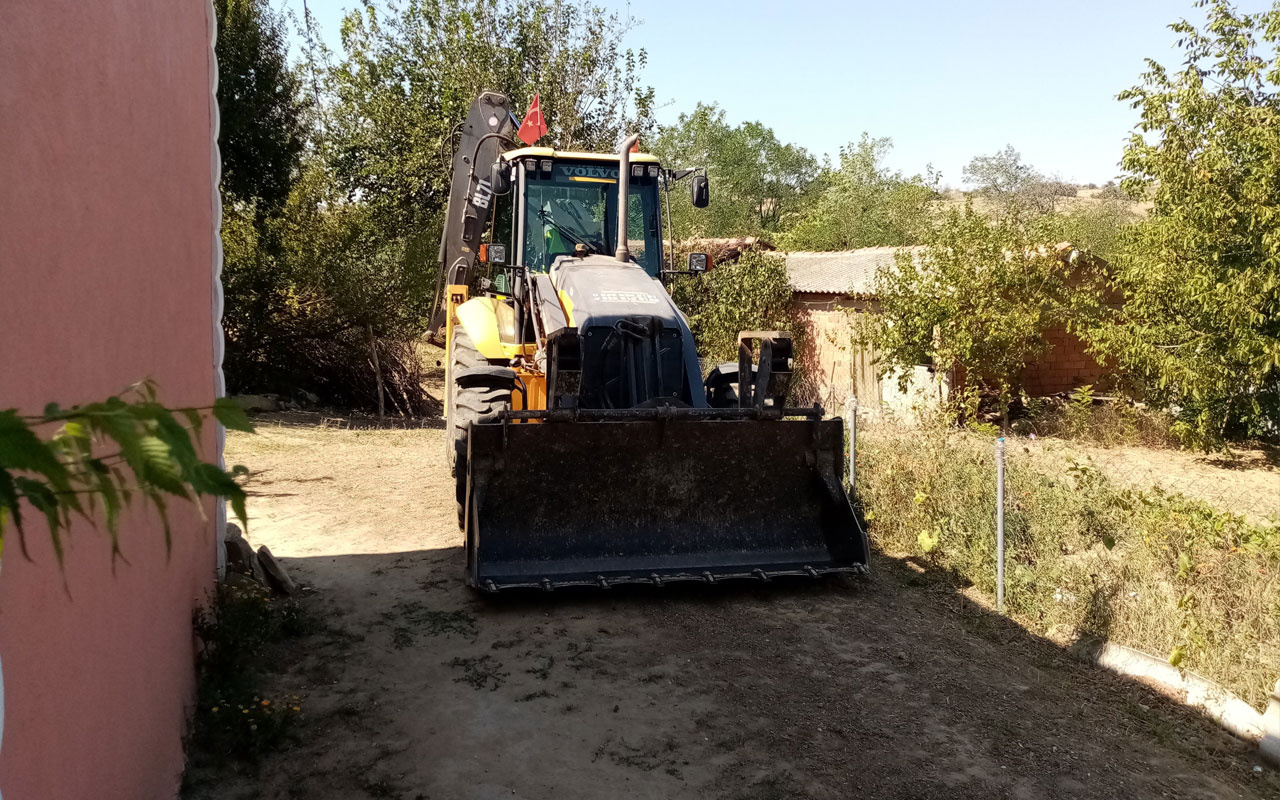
(575, 237)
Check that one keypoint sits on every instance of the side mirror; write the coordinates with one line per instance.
(698, 262)
(699, 191)
(500, 177)
(495, 253)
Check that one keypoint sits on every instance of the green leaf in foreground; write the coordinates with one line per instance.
(231, 415)
(104, 454)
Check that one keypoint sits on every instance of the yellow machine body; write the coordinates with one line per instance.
(478, 316)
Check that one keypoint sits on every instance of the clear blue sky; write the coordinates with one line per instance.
(944, 79)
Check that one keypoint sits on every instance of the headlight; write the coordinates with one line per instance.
(507, 323)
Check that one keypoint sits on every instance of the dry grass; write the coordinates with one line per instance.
(1084, 199)
(1086, 555)
(1084, 418)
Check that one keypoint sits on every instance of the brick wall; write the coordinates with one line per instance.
(1065, 367)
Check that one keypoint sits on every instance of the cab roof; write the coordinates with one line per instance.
(547, 152)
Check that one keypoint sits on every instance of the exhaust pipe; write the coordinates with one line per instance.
(623, 253)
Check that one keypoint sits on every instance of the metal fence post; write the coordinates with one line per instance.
(1000, 524)
(851, 419)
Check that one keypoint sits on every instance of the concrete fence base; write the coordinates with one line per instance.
(1197, 691)
(1270, 743)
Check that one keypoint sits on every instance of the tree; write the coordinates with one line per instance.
(261, 127)
(1096, 227)
(1014, 186)
(1200, 327)
(865, 204)
(752, 293)
(370, 286)
(263, 130)
(758, 181)
(409, 75)
(978, 298)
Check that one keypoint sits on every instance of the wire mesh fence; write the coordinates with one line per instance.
(1244, 480)
(1173, 552)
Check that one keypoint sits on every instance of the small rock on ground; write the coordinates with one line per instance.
(277, 578)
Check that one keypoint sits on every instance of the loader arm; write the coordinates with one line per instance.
(488, 127)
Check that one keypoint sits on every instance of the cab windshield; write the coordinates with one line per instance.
(577, 203)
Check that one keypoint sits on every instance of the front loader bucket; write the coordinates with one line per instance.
(650, 501)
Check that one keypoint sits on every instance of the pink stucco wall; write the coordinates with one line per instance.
(105, 277)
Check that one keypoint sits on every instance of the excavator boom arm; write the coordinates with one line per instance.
(487, 129)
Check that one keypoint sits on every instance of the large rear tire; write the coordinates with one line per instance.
(475, 402)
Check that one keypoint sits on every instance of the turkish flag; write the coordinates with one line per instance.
(534, 126)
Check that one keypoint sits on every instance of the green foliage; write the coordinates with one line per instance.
(1200, 327)
(752, 293)
(1098, 228)
(1079, 411)
(1014, 186)
(349, 254)
(1084, 556)
(361, 276)
(865, 204)
(408, 76)
(757, 182)
(978, 297)
(106, 454)
(1083, 418)
(261, 126)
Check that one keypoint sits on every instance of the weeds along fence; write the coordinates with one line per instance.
(1154, 548)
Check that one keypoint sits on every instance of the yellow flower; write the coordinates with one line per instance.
(295, 708)
(214, 709)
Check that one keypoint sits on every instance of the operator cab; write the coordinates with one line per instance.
(564, 204)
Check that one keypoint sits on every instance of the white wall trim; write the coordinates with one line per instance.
(219, 343)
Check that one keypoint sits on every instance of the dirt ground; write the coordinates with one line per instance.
(890, 686)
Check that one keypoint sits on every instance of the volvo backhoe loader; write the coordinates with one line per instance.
(588, 448)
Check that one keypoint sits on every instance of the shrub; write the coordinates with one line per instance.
(234, 717)
(1109, 422)
(752, 293)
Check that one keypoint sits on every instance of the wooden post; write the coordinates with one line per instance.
(377, 372)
